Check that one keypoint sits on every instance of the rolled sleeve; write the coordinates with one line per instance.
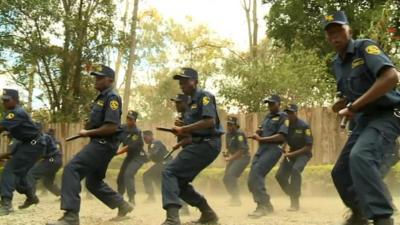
(208, 107)
(113, 110)
(283, 126)
(375, 58)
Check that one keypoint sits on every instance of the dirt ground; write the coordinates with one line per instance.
(315, 211)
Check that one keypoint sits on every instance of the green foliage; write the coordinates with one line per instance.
(300, 21)
(52, 41)
(298, 75)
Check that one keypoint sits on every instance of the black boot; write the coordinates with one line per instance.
(124, 209)
(294, 204)
(383, 221)
(262, 210)
(29, 201)
(69, 218)
(5, 207)
(172, 216)
(207, 214)
(356, 218)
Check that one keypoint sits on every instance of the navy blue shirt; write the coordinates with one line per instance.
(236, 141)
(203, 105)
(299, 135)
(58, 143)
(157, 151)
(51, 146)
(274, 123)
(358, 71)
(132, 137)
(12, 146)
(106, 109)
(19, 124)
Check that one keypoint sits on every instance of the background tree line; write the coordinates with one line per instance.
(48, 46)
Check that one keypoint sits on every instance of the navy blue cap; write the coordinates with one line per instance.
(338, 17)
(186, 73)
(10, 94)
(291, 108)
(148, 132)
(180, 98)
(232, 120)
(103, 71)
(273, 99)
(132, 114)
(51, 131)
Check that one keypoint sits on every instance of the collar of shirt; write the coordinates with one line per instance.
(196, 96)
(105, 92)
(349, 50)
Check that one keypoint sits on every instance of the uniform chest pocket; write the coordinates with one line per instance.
(359, 81)
(272, 125)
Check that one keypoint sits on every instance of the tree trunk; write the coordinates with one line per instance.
(132, 59)
(121, 49)
(247, 6)
(255, 30)
(30, 89)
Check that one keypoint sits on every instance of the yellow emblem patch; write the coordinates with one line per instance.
(287, 123)
(308, 132)
(329, 18)
(275, 118)
(194, 106)
(10, 116)
(240, 138)
(373, 50)
(134, 137)
(357, 62)
(100, 103)
(152, 146)
(206, 100)
(114, 105)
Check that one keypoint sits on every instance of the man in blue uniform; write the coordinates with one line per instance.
(203, 125)
(26, 153)
(271, 137)
(103, 129)
(300, 142)
(135, 157)
(45, 169)
(237, 158)
(368, 79)
(156, 153)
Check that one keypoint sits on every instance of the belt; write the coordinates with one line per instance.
(34, 140)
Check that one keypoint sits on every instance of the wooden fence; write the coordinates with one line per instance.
(328, 136)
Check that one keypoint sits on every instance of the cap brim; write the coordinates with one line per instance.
(98, 74)
(180, 76)
(334, 22)
(175, 100)
(6, 97)
(269, 101)
(132, 117)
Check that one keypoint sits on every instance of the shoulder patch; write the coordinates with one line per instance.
(240, 138)
(114, 104)
(134, 137)
(308, 132)
(10, 116)
(206, 100)
(152, 146)
(276, 118)
(286, 122)
(373, 50)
